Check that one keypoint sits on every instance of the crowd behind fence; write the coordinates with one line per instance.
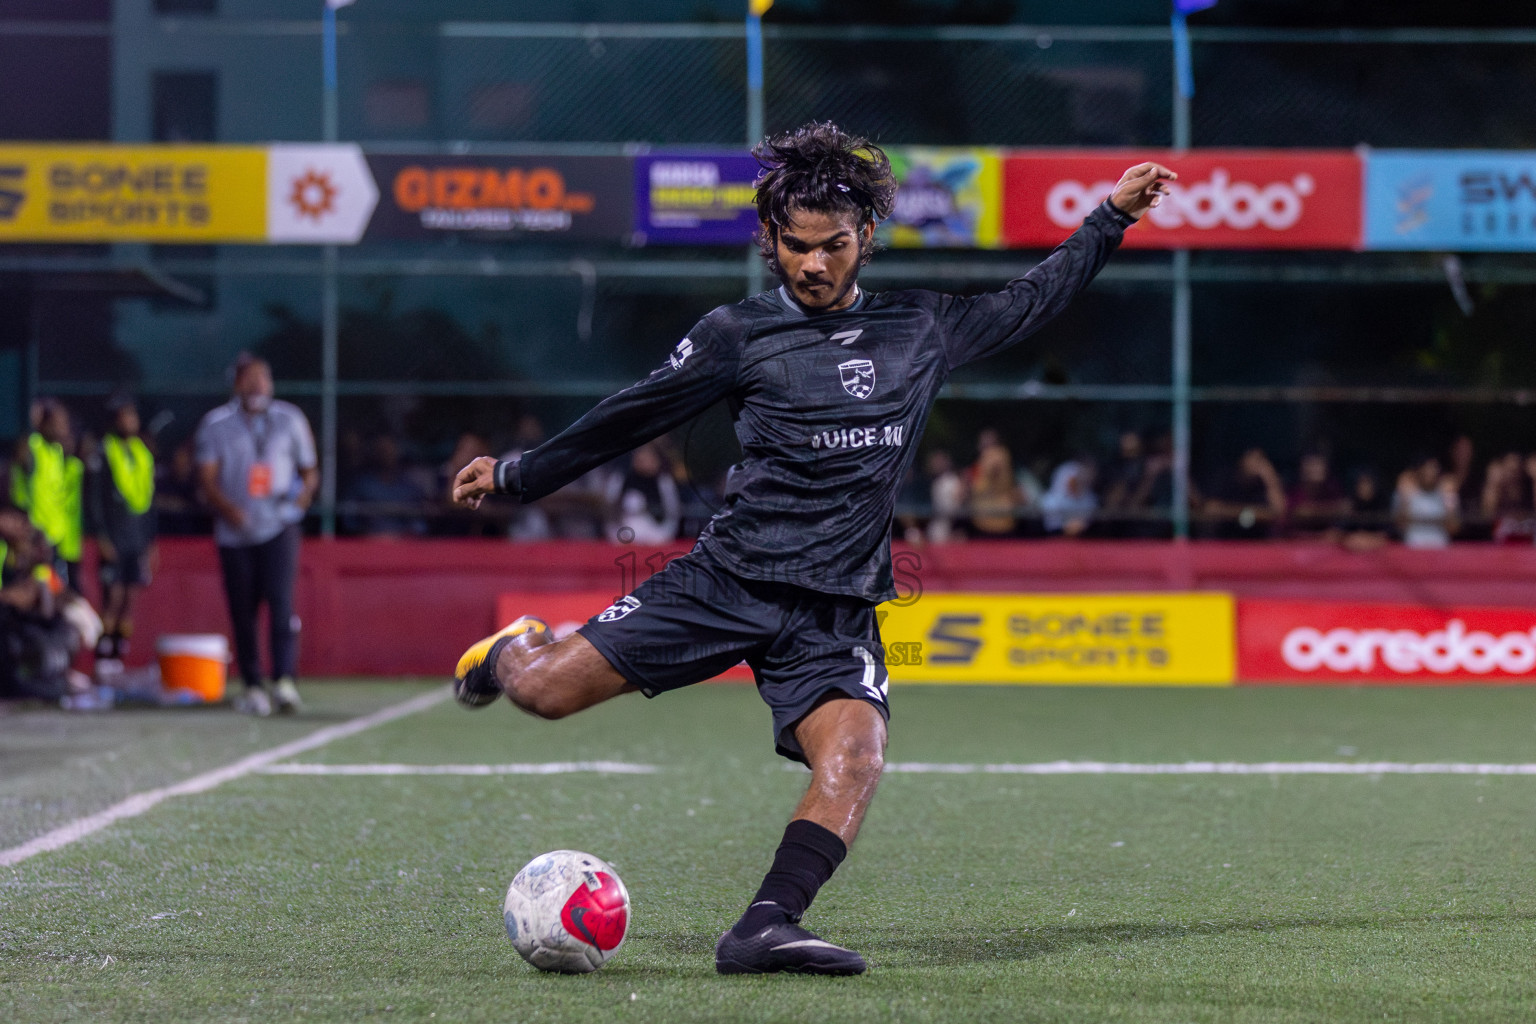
(983, 490)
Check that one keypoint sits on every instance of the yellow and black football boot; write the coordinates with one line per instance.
(474, 680)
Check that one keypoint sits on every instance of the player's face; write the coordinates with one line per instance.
(819, 258)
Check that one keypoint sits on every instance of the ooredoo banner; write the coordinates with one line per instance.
(1320, 642)
(1092, 639)
(1224, 199)
(586, 197)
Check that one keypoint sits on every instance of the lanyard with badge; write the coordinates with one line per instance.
(258, 482)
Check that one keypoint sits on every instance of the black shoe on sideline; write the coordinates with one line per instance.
(784, 947)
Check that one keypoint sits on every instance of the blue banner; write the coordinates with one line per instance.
(1461, 200)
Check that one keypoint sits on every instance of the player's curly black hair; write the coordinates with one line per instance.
(821, 168)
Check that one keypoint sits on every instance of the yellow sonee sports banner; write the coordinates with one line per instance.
(1094, 639)
(133, 193)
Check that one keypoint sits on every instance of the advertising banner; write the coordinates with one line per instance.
(1334, 643)
(133, 193)
(187, 194)
(318, 194)
(950, 198)
(1224, 199)
(1465, 200)
(582, 197)
(695, 199)
(1092, 639)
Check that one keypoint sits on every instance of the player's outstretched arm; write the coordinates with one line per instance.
(1141, 188)
(700, 372)
(975, 327)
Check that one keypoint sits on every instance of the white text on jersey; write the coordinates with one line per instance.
(888, 436)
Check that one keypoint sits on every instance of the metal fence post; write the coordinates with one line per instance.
(328, 299)
(757, 278)
(1180, 327)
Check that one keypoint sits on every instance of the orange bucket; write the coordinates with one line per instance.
(196, 662)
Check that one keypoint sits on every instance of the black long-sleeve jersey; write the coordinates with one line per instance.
(828, 408)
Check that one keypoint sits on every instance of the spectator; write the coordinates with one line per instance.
(986, 438)
(47, 483)
(179, 508)
(1151, 501)
(1317, 505)
(1365, 527)
(257, 466)
(121, 496)
(1068, 507)
(460, 522)
(1462, 473)
(37, 642)
(1506, 499)
(383, 482)
(1249, 502)
(1121, 481)
(946, 496)
(1425, 507)
(994, 495)
(645, 499)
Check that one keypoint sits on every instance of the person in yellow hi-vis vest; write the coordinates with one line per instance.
(122, 519)
(47, 482)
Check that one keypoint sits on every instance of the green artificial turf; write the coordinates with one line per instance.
(975, 897)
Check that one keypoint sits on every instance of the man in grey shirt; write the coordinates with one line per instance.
(256, 464)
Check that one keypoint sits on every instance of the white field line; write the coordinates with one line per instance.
(141, 802)
(537, 768)
(1214, 768)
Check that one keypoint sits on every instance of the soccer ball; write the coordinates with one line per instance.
(567, 911)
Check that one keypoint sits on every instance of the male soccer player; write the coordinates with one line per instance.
(829, 387)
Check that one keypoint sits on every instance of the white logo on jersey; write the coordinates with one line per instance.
(620, 608)
(858, 377)
(680, 354)
(848, 337)
(888, 436)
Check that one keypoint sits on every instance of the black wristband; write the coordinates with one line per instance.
(1116, 214)
(507, 477)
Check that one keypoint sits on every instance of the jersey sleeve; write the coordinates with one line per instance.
(974, 327)
(700, 371)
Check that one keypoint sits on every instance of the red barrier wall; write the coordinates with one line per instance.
(410, 607)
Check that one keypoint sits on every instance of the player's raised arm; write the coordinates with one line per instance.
(976, 327)
(700, 371)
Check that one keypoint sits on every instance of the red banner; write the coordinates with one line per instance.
(1224, 199)
(1318, 642)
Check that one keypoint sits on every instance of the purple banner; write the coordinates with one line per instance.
(694, 199)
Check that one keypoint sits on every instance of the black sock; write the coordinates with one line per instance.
(806, 858)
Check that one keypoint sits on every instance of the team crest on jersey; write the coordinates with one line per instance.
(620, 608)
(680, 354)
(858, 377)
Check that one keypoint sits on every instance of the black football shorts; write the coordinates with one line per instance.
(694, 619)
